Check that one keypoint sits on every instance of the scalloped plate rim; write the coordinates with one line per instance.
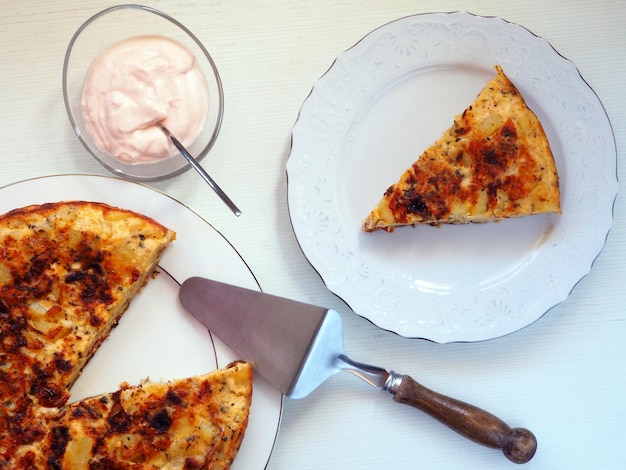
(325, 268)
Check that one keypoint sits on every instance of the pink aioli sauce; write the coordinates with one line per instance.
(136, 84)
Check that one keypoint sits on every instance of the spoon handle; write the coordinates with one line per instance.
(196, 166)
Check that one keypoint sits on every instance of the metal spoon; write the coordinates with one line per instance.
(196, 166)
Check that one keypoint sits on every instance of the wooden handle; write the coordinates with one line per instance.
(518, 444)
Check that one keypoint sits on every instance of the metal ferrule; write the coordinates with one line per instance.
(392, 383)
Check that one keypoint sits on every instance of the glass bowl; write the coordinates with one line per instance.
(111, 26)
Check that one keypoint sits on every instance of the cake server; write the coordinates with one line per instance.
(297, 346)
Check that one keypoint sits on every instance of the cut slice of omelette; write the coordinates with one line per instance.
(493, 163)
(191, 423)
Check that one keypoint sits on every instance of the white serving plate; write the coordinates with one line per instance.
(375, 110)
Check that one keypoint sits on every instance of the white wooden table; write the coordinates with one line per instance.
(563, 376)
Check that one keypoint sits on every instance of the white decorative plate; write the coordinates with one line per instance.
(371, 115)
(156, 338)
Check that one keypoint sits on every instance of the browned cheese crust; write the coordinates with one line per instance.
(68, 271)
(493, 163)
(193, 423)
